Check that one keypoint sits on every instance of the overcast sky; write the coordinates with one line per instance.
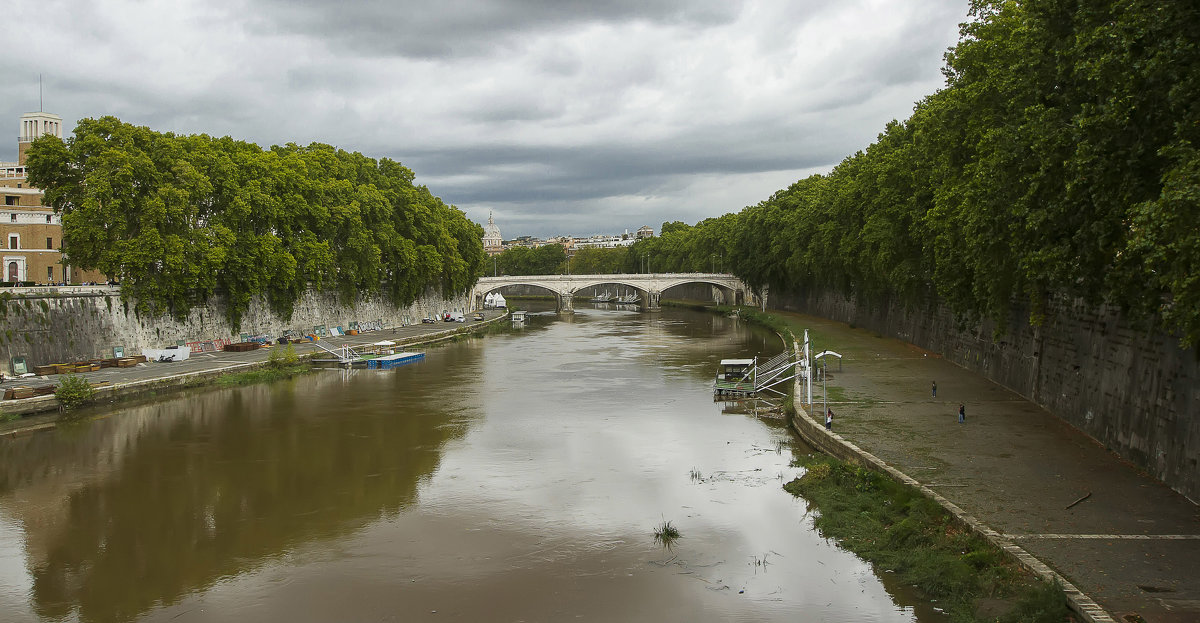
(560, 116)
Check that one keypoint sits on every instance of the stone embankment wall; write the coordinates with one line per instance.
(1134, 390)
(78, 324)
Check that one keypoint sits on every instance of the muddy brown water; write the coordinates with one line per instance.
(509, 478)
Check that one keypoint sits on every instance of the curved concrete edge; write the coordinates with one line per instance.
(42, 404)
(834, 445)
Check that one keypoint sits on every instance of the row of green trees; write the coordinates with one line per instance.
(548, 259)
(1061, 160)
(551, 259)
(178, 219)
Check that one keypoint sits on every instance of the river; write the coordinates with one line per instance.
(515, 477)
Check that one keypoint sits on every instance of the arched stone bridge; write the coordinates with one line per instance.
(649, 286)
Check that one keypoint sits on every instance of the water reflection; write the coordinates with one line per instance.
(165, 499)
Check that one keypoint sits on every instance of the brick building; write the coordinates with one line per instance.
(30, 233)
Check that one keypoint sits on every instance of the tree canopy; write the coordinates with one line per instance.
(1062, 159)
(547, 259)
(178, 219)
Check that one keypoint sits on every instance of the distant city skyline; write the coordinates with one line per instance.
(556, 117)
(494, 240)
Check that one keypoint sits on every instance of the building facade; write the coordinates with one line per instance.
(30, 232)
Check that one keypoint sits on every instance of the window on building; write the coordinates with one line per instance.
(47, 218)
(11, 200)
(14, 242)
(49, 274)
(12, 217)
(49, 242)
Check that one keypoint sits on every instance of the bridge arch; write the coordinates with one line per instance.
(478, 295)
(723, 293)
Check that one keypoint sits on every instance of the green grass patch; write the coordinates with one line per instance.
(898, 529)
(692, 305)
(263, 375)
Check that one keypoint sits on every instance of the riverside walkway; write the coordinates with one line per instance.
(154, 376)
(1132, 546)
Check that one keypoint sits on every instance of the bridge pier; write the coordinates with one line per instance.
(652, 300)
(566, 302)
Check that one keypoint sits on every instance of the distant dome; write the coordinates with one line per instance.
(491, 234)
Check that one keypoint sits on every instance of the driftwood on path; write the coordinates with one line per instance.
(1086, 496)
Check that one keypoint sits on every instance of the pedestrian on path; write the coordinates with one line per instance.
(829, 419)
(935, 389)
(962, 414)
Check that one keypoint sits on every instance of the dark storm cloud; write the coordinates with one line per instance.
(530, 174)
(453, 28)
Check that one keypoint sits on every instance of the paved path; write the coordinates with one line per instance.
(207, 363)
(1133, 545)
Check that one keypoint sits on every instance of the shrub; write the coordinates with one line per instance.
(74, 391)
(283, 357)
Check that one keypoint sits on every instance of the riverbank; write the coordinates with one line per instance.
(1119, 542)
(899, 530)
(117, 384)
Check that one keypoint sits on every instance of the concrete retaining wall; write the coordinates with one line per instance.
(74, 324)
(1134, 390)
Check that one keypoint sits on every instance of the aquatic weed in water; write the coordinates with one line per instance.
(666, 534)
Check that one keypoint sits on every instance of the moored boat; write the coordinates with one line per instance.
(735, 377)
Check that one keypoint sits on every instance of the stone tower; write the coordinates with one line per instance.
(33, 126)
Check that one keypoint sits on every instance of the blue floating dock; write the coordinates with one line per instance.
(391, 361)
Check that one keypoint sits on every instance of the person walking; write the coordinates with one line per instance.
(829, 419)
(962, 414)
(935, 389)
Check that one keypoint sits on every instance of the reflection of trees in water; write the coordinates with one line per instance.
(213, 494)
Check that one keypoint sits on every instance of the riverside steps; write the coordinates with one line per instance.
(199, 367)
(1126, 546)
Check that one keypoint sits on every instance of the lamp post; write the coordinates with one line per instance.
(714, 262)
(494, 273)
